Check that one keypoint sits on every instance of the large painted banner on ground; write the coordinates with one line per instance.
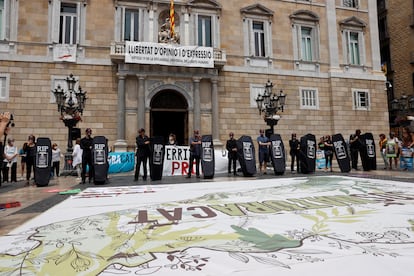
(327, 225)
(168, 54)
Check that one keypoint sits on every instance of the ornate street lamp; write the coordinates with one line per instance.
(403, 108)
(269, 104)
(70, 105)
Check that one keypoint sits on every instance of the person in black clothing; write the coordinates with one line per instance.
(86, 146)
(30, 157)
(231, 146)
(328, 151)
(195, 153)
(294, 153)
(355, 147)
(143, 153)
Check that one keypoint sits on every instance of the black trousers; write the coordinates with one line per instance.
(30, 162)
(55, 168)
(232, 161)
(294, 157)
(354, 158)
(13, 176)
(144, 161)
(87, 160)
(197, 160)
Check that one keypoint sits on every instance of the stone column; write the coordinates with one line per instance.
(121, 144)
(215, 114)
(196, 99)
(332, 35)
(141, 101)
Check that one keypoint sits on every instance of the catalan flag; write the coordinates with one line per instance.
(172, 19)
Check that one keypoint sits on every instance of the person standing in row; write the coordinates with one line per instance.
(195, 153)
(30, 157)
(77, 158)
(86, 146)
(294, 153)
(143, 153)
(383, 149)
(172, 140)
(22, 153)
(264, 144)
(328, 152)
(56, 155)
(231, 146)
(355, 146)
(10, 161)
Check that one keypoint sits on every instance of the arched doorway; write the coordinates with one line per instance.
(169, 114)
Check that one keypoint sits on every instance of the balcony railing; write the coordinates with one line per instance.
(118, 53)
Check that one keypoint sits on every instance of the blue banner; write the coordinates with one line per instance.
(121, 162)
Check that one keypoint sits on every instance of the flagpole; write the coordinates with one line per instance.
(172, 19)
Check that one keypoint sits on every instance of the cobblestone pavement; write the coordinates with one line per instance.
(35, 200)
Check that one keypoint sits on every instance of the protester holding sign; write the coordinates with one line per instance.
(393, 150)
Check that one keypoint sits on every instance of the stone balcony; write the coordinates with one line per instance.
(118, 54)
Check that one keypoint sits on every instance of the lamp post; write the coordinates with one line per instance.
(269, 104)
(404, 108)
(70, 105)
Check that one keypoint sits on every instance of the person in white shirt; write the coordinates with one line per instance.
(77, 158)
(56, 155)
(10, 161)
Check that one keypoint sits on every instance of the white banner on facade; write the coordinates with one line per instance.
(64, 52)
(168, 54)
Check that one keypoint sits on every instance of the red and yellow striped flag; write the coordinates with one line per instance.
(172, 19)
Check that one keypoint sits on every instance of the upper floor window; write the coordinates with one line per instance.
(68, 24)
(131, 25)
(257, 27)
(259, 39)
(305, 35)
(204, 31)
(361, 99)
(353, 41)
(309, 98)
(2, 19)
(350, 3)
(4, 87)
(66, 18)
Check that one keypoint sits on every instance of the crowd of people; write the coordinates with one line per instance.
(82, 156)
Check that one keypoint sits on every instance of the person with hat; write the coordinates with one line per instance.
(86, 146)
(195, 153)
(143, 153)
(231, 146)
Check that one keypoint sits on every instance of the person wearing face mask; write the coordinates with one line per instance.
(172, 141)
(231, 146)
(10, 161)
(86, 146)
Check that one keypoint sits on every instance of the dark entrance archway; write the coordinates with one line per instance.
(169, 114)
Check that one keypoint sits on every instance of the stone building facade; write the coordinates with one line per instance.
(323, 54)
(396, 29)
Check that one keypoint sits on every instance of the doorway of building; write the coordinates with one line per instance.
(169, 114)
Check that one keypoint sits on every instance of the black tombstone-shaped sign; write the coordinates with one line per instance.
(307, 154)
(43, 161)
(207, 156)
(341, 152)
(100, 159)
(277, 154)
(247, 155)
(367, 152)
(157, 157)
